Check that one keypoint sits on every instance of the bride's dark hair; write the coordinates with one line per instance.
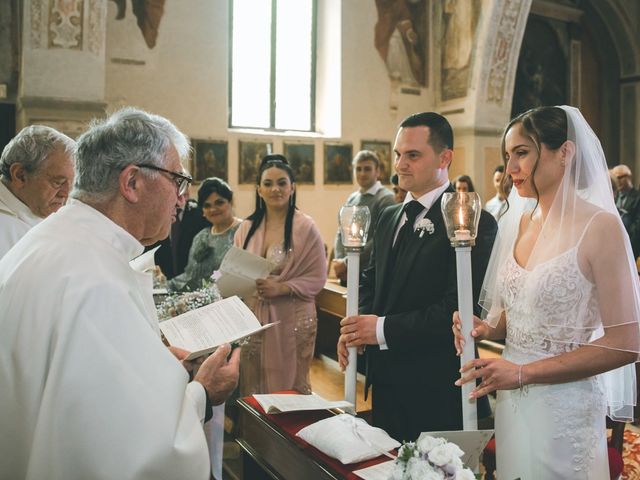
(543, 125)
(280, 162)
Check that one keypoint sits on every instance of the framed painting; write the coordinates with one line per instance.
(251, 154)
(210, 159)
(337, 163)
(383, 150)
(301, 157)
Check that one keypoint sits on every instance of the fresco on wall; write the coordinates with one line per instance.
(209, 160)
(383, 150)
(65, 24)
(301, 157)
(460, 19)
(251, 154)
(401, 39)
(337, 163)
(148, 15)
(541, 76)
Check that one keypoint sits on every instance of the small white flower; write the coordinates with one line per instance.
(425, 225)
(420, 470)
(445, 454)
(428, 443)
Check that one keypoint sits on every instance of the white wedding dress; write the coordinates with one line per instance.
(550, 432)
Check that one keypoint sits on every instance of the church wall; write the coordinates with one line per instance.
(185, 79)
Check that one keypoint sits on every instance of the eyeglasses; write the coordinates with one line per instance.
(182, 181)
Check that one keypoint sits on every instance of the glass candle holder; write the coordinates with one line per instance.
(461, 212)
(354, 225)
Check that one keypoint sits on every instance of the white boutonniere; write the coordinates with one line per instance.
(425, 225)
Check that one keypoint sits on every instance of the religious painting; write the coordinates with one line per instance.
(401, 40)
(251, 154)
(383, 150)
(301, 157)
(337, 163)
(210, 160)
(459, 21)
(542, 74)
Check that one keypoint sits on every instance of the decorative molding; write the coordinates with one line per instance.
(96, 26)
(504, 56)
(65, 24)
(37, 22)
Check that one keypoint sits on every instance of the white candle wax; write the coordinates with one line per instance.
(462, 235)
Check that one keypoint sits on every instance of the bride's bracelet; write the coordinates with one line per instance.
(520, 384)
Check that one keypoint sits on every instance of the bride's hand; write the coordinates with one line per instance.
(496, 374)
(479, 332)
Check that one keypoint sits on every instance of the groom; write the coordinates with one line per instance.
(408, 292)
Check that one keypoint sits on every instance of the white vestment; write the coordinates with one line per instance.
(16, 219)
(87, 389)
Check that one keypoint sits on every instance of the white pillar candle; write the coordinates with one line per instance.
(465, 309)
(353, 284)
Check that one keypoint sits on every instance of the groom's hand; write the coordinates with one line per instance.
(359, 330)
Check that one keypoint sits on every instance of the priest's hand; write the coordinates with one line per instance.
(218, 375)
(496, 374)
(480, 331)
(190, 366)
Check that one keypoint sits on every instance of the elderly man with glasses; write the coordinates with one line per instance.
(36, 174)
(87, 388)
(628, 203)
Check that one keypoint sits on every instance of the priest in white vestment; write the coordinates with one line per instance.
(87, 389)
(36, 174)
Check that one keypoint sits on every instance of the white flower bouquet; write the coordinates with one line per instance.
(178, 303)
(430, 459)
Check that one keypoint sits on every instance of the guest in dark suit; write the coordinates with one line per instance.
(173, 253)
(408, 292)
(628, 203)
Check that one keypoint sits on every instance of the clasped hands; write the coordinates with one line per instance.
(217, 375)
(356, 331)
(495, 373)
(270, 288)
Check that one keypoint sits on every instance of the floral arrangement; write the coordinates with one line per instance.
(178, 303)
(430, 459)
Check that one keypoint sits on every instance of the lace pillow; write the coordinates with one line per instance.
(348, 439)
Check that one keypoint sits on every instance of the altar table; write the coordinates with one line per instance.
(270, 449)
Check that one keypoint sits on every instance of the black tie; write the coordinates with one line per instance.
(412, 210)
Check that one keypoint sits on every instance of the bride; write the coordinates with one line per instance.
(562, 290)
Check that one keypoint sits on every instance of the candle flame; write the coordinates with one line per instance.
(461, 217)
(354, 230)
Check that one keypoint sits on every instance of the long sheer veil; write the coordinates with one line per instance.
(583, 204)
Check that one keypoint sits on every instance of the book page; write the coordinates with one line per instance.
(240, 270)
(381, 471)
(280, 403)
(201, 330)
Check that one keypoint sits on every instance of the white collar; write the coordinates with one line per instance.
(428, 199)
(373, 190)
(12, 205)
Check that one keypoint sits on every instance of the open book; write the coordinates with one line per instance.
(204, 329)
(285, 402)
(239, 271)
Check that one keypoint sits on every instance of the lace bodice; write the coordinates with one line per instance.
(550, 310)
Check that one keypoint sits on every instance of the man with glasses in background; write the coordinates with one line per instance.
(36, 174)
(628, 203)
(87, 388)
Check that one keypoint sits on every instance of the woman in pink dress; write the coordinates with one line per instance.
(279, 359)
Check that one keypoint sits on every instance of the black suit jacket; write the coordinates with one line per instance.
(191, 223)
(418, 298)
(629, 208)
